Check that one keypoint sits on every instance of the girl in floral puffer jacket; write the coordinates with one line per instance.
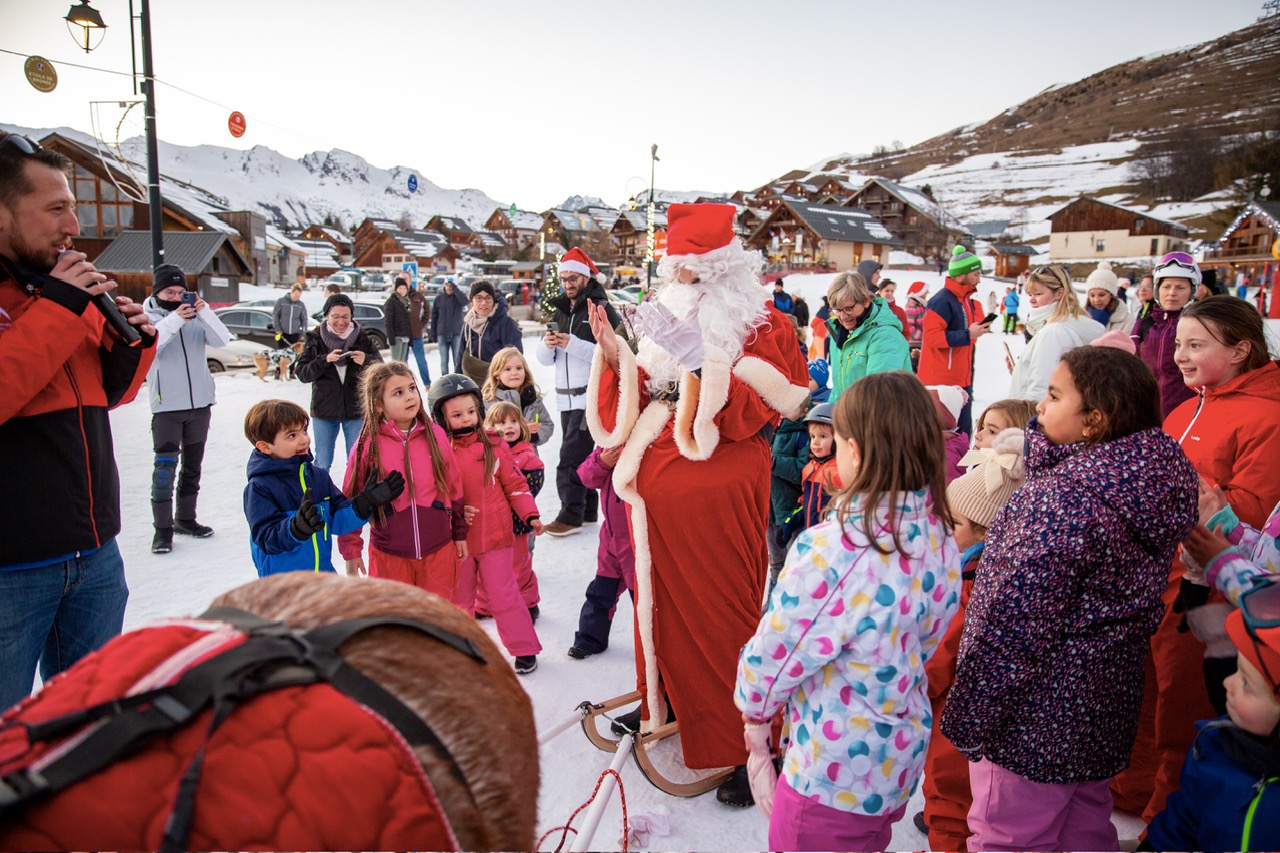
(861, 604)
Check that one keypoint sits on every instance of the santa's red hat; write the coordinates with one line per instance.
(695, 229)
(576, 260)
(916, 287)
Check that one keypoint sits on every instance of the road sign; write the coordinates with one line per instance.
(411, 267)
(236, 124)
(40, 74)
(413, 183)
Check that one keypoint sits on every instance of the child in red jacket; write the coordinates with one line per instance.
(492, 486)
(508, 421)
(949, 402)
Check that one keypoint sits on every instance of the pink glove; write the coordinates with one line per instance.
(682, 339)
(760, 770)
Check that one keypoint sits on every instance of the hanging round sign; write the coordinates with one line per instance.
(413, 183)
(40, 74)
(236, 124)
(1275, 250)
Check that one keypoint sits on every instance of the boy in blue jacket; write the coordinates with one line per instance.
(293, 508)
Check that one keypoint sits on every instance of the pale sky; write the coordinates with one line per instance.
(533, 101)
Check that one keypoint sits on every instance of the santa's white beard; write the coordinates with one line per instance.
(729, 312)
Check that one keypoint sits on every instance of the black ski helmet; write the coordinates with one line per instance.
(446, 388)
(819, 414)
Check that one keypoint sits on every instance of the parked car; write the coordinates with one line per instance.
(235, 355)
(249, 324)
(376, 281)
(346, 279)
(513, 289)
(257, 303)
(371, 318)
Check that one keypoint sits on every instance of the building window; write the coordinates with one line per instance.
(1102, 245)
(1155, 245)
(102, 209)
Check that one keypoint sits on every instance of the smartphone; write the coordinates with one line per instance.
(553, 327)
(1009, 353)
(990, 318)
(189, 297)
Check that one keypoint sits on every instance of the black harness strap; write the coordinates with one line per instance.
(274, 656)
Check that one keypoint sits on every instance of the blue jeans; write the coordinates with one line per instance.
(450, 344)
(327, 437)
(420, 356)
(54, 615)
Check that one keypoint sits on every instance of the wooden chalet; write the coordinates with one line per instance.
(1088, 228)
(459, 234)
(340, 242)
(1249, 246)
(631, 234)
(382, 244)
(569, 228)
(922, 225)
(527, 270)
(287, 260)
(321, 258)
(825, 235)
(1012, 259)
(833, 186)
(210, 260)
(519, 229)
(748, 220)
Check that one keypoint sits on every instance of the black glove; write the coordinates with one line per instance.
(1190, 596)
(376, 493)
(307, 521)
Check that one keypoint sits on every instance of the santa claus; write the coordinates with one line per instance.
(716, 368)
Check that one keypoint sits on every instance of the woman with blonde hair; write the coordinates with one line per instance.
(865, 336)
(1057, 323)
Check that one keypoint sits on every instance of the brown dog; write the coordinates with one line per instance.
(279, 358)
(480, 712)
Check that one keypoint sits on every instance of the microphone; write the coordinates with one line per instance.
(111, 313)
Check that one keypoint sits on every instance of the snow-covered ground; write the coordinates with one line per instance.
(184, 582)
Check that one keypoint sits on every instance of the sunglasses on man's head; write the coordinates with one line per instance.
(25, 144)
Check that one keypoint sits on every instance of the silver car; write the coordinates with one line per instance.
(235, 355)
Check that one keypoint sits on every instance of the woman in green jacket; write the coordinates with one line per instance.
(865, 336)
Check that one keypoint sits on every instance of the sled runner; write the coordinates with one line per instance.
(657, 752)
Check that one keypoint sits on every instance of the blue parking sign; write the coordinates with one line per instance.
(411, 267)
(413, 183)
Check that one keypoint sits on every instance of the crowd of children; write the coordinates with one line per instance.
(1093, 570)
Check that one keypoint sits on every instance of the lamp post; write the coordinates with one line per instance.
(85, 17)
(653, 162)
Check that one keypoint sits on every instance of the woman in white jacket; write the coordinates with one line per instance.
(1056, 323)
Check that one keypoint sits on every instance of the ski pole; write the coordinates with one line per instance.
(582, 841)
(564, 725)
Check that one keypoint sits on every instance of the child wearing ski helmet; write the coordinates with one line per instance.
(820, 478)
(492, 487)
(860, 606)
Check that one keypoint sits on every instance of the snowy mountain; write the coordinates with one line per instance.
(580, 202)
(303, 192)
(1083, 137)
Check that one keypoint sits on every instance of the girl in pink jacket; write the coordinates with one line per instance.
(493, 487)
(420, 536)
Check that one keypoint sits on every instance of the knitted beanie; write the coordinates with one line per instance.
(963, 262)
(338, 299)
(820, 372)
(948, 400)
(1103, 278)
(997, 472)
(1116, 338)
(167, 275)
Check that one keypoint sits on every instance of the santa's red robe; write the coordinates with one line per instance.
(696, 475)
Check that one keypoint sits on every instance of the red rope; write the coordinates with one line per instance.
(568, 827)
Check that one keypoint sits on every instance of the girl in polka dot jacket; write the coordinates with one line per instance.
(863, 601)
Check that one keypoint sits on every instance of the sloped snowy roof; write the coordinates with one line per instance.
(281, 240)
(189, 250)
(843, 224)
(335, 234)
(572, 220)
(320, 253)
(453, 223)
(491, 239)
(524, 220)
(639, 219)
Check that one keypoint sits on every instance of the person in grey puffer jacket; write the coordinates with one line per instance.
(1049, 678)
(446, 325)
(289, 316)
(182, 394)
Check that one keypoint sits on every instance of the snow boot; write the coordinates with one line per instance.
(534, 613)
(579, 653)
(629, 723)
(192, 528)
(162, 542)
(736, 790)
(526, 664)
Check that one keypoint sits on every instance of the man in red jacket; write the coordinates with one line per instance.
(62, 586)
(951, 327)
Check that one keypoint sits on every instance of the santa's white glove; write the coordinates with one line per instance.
(761, 773)
(682, 339)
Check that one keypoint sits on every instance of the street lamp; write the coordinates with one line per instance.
(653, 154)
(85, 17)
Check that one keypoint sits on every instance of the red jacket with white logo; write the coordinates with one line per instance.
(61, 373)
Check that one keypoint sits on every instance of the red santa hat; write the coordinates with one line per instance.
(576, 260)
(695, 229)
(916, 287)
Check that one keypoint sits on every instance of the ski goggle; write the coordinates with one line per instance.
(1178, 260)
(1260, 609)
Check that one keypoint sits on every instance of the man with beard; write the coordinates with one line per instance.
(569, 350)
(62, 584)
(717, 367)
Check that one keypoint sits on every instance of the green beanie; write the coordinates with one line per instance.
(963, 262)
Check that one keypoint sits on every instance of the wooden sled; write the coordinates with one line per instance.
(659, 748)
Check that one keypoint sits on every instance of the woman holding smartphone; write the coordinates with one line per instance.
(333, 359)
(182, 395)
(1057, 323)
